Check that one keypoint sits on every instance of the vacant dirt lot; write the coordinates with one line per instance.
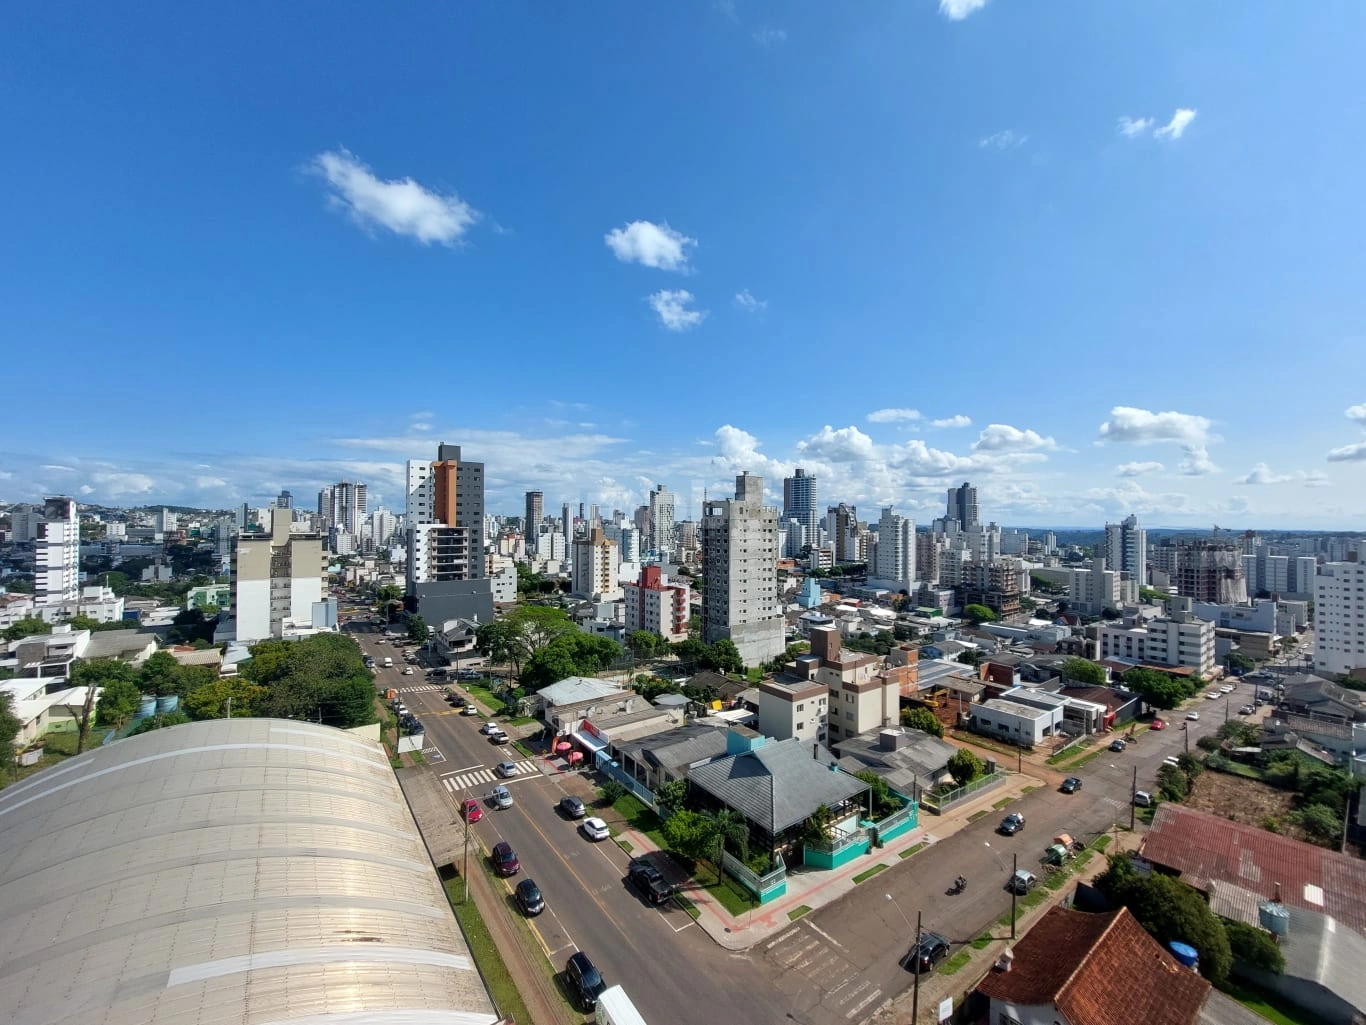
(1243, 800)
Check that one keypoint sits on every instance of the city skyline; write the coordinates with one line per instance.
(1061, 252)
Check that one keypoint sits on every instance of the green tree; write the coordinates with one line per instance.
(573, 654)
(10, 724)
(884, 801)
(724, 657)
(970, 657)
(1084, 671)
(691, 651)
(978, 614)
(645, 644)
(965, 767)
(922, 719)
(161, 676)
(157, 722)
(83, 623)
(1156, 688)
(1254, 946)
(904, 632)
(417, 630)
(320, 678)
(611, 792)
(1321, 823)
(732, 834)
(671, 794)
(118, 703)
(29, 626)
(1172, 783)
(210, 700)
(501, 643)
(1239, 663)
(690, 834)
(97, 674)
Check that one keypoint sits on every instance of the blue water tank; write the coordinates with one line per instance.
(1275, 918)
(1185, 953)
(147, 707)
(167, 703)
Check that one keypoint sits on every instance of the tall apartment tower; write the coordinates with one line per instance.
(57, 553)
(1340, 617)
(285, 500)
(962, 507)
(740, 573)
(1210, 572)
(446, 566)
(1126, 549)
(799, 503)
(841, 523)
(662, 522)
(277, 583)
(594, 572)
(895, 562)
(567, 523)
(535, 513)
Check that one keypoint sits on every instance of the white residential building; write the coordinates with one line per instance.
(1092, 591)
(278, 583)
(446, 573)
(740, 573)
(791, 708)
(1126, 549)
(57, 553)
(1340, 617)
(1180, 639)
(895, 564)
(658, 604)
(662, 522)
(594, 573)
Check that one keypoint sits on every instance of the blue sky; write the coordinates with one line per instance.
(1094, 257)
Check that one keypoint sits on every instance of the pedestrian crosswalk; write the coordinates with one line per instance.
(526, 768)
(421, 688)
(839, 985)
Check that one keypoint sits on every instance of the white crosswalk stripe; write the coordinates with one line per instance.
(420, 689)
(526, 769)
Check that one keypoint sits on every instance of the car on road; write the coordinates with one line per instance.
(595, 829)
(1022, 881)
(437, 674)
(1247, 710)
(489, 728)
(500, 738)
(1011, 824)
(649, 881)
(1143, 799)
(1193, 716)
(528, 897)
(572, 807)
(407, 670)
(471, 709)
(585, 981)
(500, 797)
(468, 674)
(1158, 724)
(1226, 688)
(504, 859)
(1116, 745)
(1212, 695)
(505, 769)
(471, 810)
(933, 949)
(1071, 785)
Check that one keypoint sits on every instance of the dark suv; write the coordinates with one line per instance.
(585, 981)
(649, 881)
(504, 859)
(1011, 824)
(933, 949)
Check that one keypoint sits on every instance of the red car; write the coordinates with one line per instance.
(473, 813)
(1159, 724)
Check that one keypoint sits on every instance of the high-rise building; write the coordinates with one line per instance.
(166, 521)
(658, 604)
(1092, 591)
(841, 523)
(1126, 549)
(567, 522)
(1340, 617)
(446, 565)
(535, 513)
(662, 522)
(962, 506)
(740, 573)
(895, 563)
(277, 583)
(57, 553)
(1211, 572)
(285, 500)
(594, 572)
(799, 503)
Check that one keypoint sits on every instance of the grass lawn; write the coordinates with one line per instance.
(977, 814)
(914, 849)
(58, 746)
(688, 906)
(982, 942)
(1102, 841)
(640, 818)
(1002, 803)
(797, 913)
(482, 695)
(728, 893)
(870, 873)
(485, 954)
(1270, 1006)
(1030, 789)
(956, 963)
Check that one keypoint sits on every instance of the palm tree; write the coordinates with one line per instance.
(732, 832)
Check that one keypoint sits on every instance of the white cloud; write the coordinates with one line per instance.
(86, 489)
(747, 302)
(770, 36)
(119, 485)
(1132, 127)
(422, 427)
(1263, 474)
(957, 10)
(1005, 438)
(1357, 413)
(847, 444)
(1144, 427)
(1008, 139)
(957, 420)
(1176, 127)
(206, 483)
(1138, 469)
(401, 205)
(888, 416)
(58, 468)
(650, 245)
(672, 307)
(1348, 453)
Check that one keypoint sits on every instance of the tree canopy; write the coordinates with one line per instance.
(29, 626)
(320, 678)
(965, 767)
(418, 631)
(9, 722)
(571, 654)
(976, 614)
(922, 719)
(1084, 671)
(1157, 688)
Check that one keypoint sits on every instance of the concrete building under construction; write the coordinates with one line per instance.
(1211, 572)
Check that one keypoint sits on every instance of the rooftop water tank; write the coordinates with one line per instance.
(1275, 918)
(1186, 954)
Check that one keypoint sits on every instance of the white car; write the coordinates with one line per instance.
(1213, 695)
(501, 797)
(1193, 716)
(1226, 688)
(595, 829)
(506, 769)
(407, 670)
(490, 728)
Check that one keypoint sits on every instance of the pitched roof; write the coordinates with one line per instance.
(1099, 970)
(777, 785)
(1204, 847)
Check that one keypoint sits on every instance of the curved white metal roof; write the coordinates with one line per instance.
(232, 872)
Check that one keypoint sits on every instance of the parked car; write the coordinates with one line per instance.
(528, 897)
(1143, 799)
(489, 728)
(1212, 695)
(1011, 824)
(1159, 724)
(504, 859)
(407, 670)
(470, 709)
(1022, 881)
(500, 738)
(1071, 785)
(585, 981)
(1226, 688)
(1246, 710)
(472, 811)
(500, 797)
(1193, 716)
(505, 769)
(595, 829)
(649, 881)
(468, 674)
(1116, 745)
(572, 807)
(933, 949)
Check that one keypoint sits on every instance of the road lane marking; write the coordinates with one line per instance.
(821, 932)
(864, 1003)
(467, 768)
(781, 939)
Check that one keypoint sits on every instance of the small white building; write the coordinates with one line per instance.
(1015, 722)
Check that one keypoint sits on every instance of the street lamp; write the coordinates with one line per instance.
(994, 851)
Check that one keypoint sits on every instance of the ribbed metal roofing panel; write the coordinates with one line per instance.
(240, 872)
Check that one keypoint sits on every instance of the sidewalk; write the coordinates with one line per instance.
(814, 888)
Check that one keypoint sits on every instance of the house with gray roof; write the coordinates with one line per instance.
(657, 759)
(909, 760)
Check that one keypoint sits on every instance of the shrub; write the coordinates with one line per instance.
(612, 791)
(1254, 946)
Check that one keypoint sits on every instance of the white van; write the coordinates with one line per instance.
(1143, 799)
(388, 662)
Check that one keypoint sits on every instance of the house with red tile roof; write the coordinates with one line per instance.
(1075, 968)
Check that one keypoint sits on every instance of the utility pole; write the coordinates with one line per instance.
(1015, 867)
(915, 953)
(465, 871)
(1133, 796)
